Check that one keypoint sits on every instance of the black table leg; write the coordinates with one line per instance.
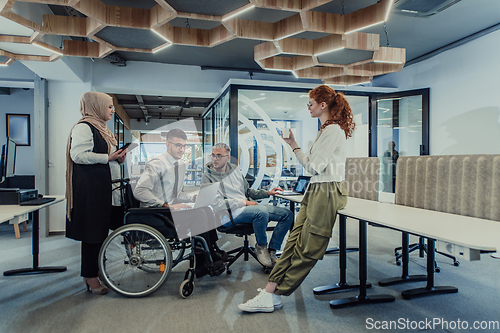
(362, 298)
(35, 249)
(405, 277)
(430, 289)
(342, 285)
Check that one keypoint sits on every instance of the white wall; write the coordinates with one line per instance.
(149, 78)
(464, 96)
(22, 102)
(63, 113)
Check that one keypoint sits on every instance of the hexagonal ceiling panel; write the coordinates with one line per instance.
(133, 38)
(286, 35)
(345, 56)
(144, 4)
(265, 15)
(194, 23)
(207, 7)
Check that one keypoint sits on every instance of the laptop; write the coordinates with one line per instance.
(205, 197)
(300, 186)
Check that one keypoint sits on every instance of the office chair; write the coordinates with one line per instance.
(422, 247)
(240, 230)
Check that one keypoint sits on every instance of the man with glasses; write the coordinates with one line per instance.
(162, 185)
(236, 195)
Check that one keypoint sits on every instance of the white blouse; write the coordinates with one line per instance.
(326, 158)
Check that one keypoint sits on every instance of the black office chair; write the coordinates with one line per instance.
(240, 230)
(422, 247)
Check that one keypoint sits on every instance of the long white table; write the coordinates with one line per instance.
(16, 210)
(469, 232)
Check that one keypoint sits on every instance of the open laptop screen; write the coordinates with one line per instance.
(301, 185)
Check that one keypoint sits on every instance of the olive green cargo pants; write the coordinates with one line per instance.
(309, 238)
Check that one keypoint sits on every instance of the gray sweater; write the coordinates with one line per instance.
(235, 185)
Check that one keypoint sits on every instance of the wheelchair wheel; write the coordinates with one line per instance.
(186, 288)
(135, 260)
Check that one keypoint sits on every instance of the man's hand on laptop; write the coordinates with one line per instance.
(176, 206)
(274, 191)
(249, 203)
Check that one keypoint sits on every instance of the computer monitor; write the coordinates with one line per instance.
(8, 164)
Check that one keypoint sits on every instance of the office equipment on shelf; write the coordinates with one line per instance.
(16, 196)
(300, 186)
(37, 201)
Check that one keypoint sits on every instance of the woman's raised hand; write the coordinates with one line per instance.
(291, 139)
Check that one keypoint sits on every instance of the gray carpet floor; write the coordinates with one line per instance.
(59, 302)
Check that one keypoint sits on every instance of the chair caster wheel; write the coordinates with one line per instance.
(456, 263)
(228, 271)
(186, 288)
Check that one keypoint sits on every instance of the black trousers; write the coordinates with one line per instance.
(90, 259)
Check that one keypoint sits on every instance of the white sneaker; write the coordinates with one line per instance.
(277, 302)
(263, 255)
(263, 302)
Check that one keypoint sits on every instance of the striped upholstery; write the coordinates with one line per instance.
(458, 184)
(361, 177)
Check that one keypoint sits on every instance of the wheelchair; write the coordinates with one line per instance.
(136, 259)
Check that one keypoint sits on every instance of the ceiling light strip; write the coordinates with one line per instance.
(340, 48)
(159, 34)
(46, 48)
(389, 11)
(353, 84)
(238, 13)
(161, 48)
(371, 25)
(388, 62)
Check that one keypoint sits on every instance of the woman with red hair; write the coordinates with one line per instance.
(325, 195)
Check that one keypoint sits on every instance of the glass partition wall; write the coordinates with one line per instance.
(401, 130)
(259, 115)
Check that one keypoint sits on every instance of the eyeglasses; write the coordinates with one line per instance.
(218, 156)
(178, 145)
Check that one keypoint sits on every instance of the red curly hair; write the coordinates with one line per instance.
(339, 109)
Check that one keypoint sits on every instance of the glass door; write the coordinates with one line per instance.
(401, 128)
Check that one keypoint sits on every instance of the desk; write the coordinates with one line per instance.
(292, 199)
(464, 231)
(5, 217)
(16, 210)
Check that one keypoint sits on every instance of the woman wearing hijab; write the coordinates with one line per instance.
(91, 147)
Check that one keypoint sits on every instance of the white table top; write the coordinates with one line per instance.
(15, 210)
(5, 217)
(470, 232)
(294, 198)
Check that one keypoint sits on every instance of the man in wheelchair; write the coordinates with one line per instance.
(162, 185)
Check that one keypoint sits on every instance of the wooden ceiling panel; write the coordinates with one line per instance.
(150, 26)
